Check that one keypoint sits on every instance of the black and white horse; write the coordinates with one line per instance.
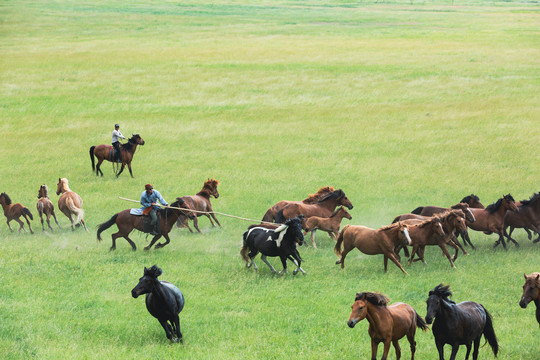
(163, 300)
(280, 242)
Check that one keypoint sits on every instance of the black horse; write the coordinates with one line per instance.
(280, 241)
(163, 300)
(458, 324)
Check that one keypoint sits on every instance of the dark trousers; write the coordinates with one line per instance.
(116, 146)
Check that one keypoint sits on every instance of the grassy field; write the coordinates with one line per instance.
(399, 104)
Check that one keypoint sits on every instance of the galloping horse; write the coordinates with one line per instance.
(70, 203)
(14, 211)
(201, 202)
(528, 217)
(106, 152)
(472, 200)
(45, 206)
(387, 324)
(330, 225)
(491, 219)
(373, 242)
(422, 232)
(531, 292)
(271, 213)
(458, 324)
(324, 207)
(164, 301)
(126, 222)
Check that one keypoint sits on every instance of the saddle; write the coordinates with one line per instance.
(147, 226)
(112, 155)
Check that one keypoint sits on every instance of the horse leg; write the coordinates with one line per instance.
(41, 218)
(412, 342)
(421, 250)
(395, 261)
(455, 349)
(313, 238)
(253, 263)
(387, 349)
(84, 224)
(167, 328)
(48, 221)
(177, 328)
(529, 235)
(7, 222)
(455, 240)
(455, 245)
(217, 222)
(28, 222)
(468, 351)
(152, 242)
(121, 169)
(413, 252)
(55, 219)
(167, 240)
(129, 168)
(385, 264)
(284, 263)
(196, 224)
(98, 167)
(397, 348)
(500, 240)
(343, 255)
(446, 253)
(114, 237)
(440, 348)
(296, 261)
(374, 346)
(21, 225)
(133, 246)
(263, 258)
(467, 239)
(476, 346)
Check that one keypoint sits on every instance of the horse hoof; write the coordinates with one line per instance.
(147, 248)
(112, 248)
(295, 272)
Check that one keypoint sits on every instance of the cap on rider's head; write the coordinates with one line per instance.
(116, 125)
(148, 187)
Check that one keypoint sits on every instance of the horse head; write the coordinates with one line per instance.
(439, 293)
(182, 204)
(292, 230)
(62, 186)
(43, 191)
(509, 203)
(403, 233)
(437, 226)
(147, 282)
(473, 201)
(136, 139)
(457, 219)
(359, 307)
(463, 206)
(211, 186)
(4, 199)
(531, 289)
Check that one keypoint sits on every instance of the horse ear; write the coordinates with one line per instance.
(525, 276)
(537, 277)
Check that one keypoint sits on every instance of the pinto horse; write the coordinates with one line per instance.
(373, 242)
(14, 212)
(458, 324)
(531, 292)
(45, 206)
(70, 203)
(330, 225)
(164, 301)
(126, 222)
(528, 217)
(271, 213)
(387, 323)
(106, 152)
(201, 202)
(281, 241)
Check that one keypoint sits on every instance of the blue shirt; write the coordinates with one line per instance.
(148, 200)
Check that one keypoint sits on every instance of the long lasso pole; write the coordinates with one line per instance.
(205, 212)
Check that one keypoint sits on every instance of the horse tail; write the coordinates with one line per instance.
(337, 248)
(245, 248)
(280, 218)
(105, 226)
(420, 323)
(26, 211)
(418, 210)
(75, 210)
(92, 157)
(269, 217)
(40, 207)
(489, 333)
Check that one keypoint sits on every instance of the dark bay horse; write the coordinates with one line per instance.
(531, 292)
(528, 217)
(281, 241)
(472, 200)
(106, 152)
(387, 323)
(14, 212)
(201, 202)
(164, 301)
(70, 204)
(330, 224)
(271, 213)
(458, 324)
(373, 242)
(45, 206)
(126, 222)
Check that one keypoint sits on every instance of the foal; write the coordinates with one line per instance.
(330, 225)
(45, 206)
(14, 211)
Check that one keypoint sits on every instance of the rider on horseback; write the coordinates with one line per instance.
(116, 136)
(149, 198)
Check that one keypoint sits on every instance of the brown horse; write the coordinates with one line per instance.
(531, 292)
(70, 204)
(373, 242)
(423, 232)
(271, 213)
(472, 200)
(126, 222)
(330, 225)
(201, 202)
(14, 211)
(491, 219)
(106, 152)
(528, 217)
(387, 324)
(45, 206)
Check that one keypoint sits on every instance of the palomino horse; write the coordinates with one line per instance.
(106, 152)
(387, 323)
(531, 292)
(330, 225)
(14, 211)
(45, 206)
(70, 203)
(458, 324)
(201, 202)
(528, 217)
(126, 222)
(164, 301)
(324, 207)
(373, 242)
(271, 213)
(491, 219)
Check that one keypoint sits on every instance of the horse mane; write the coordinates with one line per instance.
(536, 281)
(336, 194)
(468, 198)
(429, 221)
(336, 211)
(154, 271)
(532, 200)
(496, 205)
(373, 297)
(131, 142)
(178, 203)
(442, 291)
(46, 189)
(390, 227)
(8, 200)
(208, 186)
(313, 198)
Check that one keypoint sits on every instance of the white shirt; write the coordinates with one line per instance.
(116, 134)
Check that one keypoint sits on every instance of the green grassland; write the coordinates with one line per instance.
(400, 104)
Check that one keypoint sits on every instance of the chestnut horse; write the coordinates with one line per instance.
(271, 213)
(106, 152)
(387, 323)
(201, 202)
(528, 217)
(14, 211)
(531, 292)
(126, 222)
(373, 242)
(70, 203)
(45, 206)
(330, 225)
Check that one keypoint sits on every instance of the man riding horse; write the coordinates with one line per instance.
(116, 136)
(149, 199)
